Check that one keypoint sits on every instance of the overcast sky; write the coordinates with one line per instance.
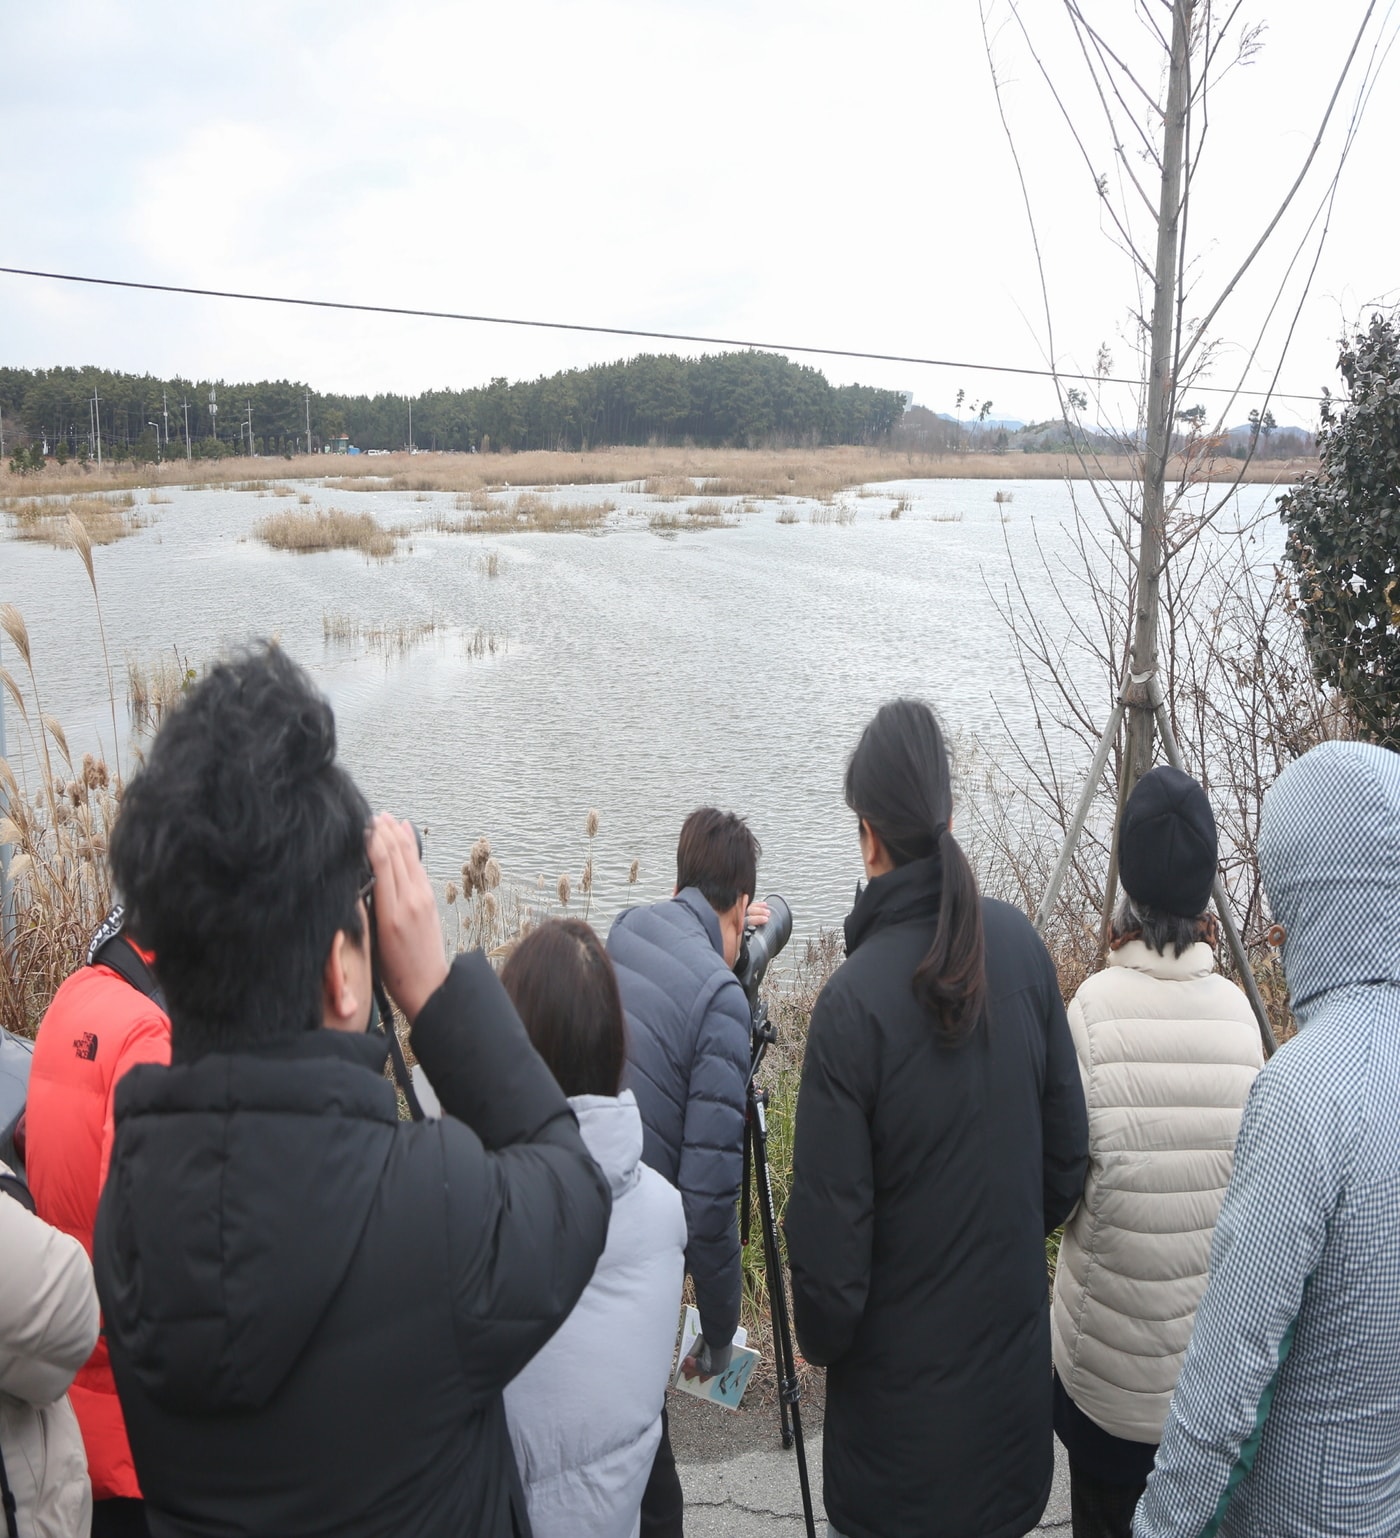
(793, 171)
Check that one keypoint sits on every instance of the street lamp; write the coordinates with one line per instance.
(160, 458)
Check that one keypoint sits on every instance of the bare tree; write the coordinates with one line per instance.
(1153, 135)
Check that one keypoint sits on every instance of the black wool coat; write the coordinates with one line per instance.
(311, 1306)
(925, 1180)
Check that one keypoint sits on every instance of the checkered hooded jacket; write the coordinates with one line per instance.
(1286, 1418)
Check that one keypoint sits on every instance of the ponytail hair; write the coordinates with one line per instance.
(899, 783)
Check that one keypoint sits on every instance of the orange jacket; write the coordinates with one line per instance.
(97, 1027)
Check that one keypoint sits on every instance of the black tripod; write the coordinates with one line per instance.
(756, 1163)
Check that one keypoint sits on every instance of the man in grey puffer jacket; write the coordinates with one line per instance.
(1286, 1417)
(688, 1028)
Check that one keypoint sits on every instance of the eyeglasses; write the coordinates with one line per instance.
(362, 895)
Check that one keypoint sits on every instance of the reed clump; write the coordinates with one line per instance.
(58, 830)
(154, 686)
(841, 513)
(704, 514)
(330, 529)
(393, 638)
(525, 512)
(46, 519)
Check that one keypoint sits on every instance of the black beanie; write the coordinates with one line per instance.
(1166, 846)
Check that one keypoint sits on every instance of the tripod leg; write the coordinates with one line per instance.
(748, 1166)
(788, 1392)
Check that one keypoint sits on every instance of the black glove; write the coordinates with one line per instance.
(712, 1360)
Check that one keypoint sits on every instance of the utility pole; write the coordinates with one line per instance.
(2, 455)
(97, 425)
(165, 412)
(250, 427)
(308, 421)
(410, 424)
(188, 454)
(213, 413)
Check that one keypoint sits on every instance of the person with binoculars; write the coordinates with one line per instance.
(312, 1307)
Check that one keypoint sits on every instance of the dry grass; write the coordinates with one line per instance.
(394, 638)
(833, 512)
(705, 514)
(213, 473)
(58, 825)
(524, 512)
(106, 519)
(332, 529)
(153, 687)
(763, 473)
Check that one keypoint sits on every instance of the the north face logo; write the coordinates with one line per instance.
(86, 1046)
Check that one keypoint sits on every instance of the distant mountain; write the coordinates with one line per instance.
(1011, 424)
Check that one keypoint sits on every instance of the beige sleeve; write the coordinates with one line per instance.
(48, 1307)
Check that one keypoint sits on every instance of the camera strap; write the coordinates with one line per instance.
(402, 1077)
(111, 948)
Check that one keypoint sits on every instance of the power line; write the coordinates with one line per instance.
(654, 336)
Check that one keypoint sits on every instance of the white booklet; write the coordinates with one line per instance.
(725, 1388)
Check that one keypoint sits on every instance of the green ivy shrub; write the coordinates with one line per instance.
(1343, 525)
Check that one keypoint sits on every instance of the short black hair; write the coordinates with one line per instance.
(563, 986)
(239, 850)
(718, 853)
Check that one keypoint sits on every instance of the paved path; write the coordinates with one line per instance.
(757, 1494)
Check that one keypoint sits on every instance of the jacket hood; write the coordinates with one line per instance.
(240, 1185)
(1329, 855)
(611, 1127)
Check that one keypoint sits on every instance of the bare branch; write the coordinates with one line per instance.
(1292, 192)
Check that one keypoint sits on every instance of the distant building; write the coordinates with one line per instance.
(907, 397)
(340, 445)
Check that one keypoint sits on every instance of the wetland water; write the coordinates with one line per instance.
(636, 674)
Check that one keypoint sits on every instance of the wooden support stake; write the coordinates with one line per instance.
(1081, 813)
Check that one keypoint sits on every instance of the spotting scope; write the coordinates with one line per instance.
(761, 945)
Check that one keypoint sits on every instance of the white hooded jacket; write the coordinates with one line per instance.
(48, 1327)
(1168, 1050)
(585, 1414)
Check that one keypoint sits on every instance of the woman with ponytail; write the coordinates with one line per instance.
(941, 1135)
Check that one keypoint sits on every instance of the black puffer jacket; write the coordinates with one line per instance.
(925, 1180)
(688, 1026)
(311, 1306)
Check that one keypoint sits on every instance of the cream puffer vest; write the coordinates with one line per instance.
(1168, 1050)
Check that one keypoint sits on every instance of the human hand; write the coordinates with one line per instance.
(706, 1362)
(758, 915)
(412, 958)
